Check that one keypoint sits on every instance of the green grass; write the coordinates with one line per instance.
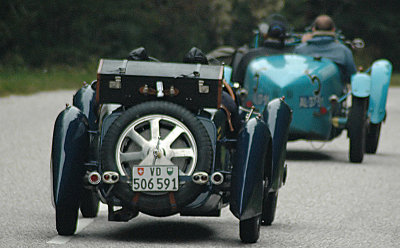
(395, 80)
(28, 81)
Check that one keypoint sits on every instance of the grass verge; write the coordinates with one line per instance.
(395, 80)
(29, 81)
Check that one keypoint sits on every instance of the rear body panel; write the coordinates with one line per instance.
(305, 82)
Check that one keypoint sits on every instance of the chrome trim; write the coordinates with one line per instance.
(217, 182)
(112, 177)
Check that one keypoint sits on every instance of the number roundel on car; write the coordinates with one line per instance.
(152, 144)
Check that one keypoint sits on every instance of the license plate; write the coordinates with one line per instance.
(155, 178)
(310, 101)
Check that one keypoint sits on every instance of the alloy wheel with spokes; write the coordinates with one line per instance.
(158, 133)
(156, 140)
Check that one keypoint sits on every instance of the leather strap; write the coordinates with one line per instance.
(228, 116)
(172, 200)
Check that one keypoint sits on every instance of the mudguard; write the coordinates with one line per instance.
(278, 116)
(381, 72)
(85, 100)
(248, 169)
(361, 85)
(68, 155)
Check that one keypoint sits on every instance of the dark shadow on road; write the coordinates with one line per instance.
(161, 232)
(306, 155)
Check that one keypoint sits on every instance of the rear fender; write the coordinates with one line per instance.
(278, 116)
(361, 85)
(248, 169)
(381, 72)
(85, 100)
(68, 155)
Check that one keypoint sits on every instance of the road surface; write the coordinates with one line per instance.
(326, 202)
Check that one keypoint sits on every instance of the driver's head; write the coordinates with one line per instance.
(277, 30)
(278, 26)
(324, 23)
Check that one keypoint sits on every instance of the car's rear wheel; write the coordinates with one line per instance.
(270, 200)
(89, 204)
(250, 229)
(372, 140)
(357, 129)
(168, 130)
(66, 220)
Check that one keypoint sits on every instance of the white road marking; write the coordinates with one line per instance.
(82, 224)
(103, 208)
(59, 240)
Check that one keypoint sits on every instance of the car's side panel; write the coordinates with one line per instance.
(278, 116)
(248, 170)
(381, 72)
(69, 152)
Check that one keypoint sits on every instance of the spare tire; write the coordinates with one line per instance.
(180, 138)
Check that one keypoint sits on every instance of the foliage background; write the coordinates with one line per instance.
(40, 34)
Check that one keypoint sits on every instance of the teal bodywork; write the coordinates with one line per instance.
(381, 72)
(375, 84)
(314, 90)
(361, 85)
(305, 82)
(228, 74)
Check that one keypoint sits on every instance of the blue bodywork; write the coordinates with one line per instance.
(69, 153)
(85, 100)
(309, 84)
(248, 169)
(246, 151)
(278, 116)
(261, 153)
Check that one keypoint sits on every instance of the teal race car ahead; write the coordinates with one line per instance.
(323, 106)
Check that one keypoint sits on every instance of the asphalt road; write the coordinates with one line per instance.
(327, 201)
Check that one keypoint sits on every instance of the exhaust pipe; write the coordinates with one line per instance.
(94, 178)
(200, 177)
(217, 178)
(110, 177)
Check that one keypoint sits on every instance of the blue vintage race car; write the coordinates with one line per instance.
(323, 106)
(159, 139)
